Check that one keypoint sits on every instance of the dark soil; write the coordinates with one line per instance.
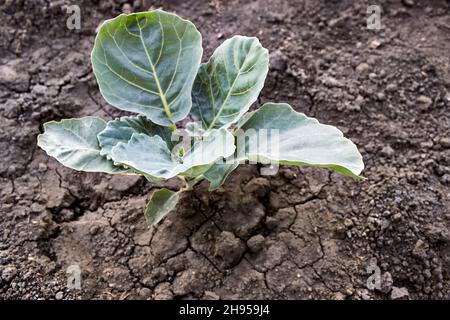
(304, 233)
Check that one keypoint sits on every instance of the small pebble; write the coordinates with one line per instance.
(42, 167)
(255, 243)
(375, 44)
(424, 102)
(362, 67)
(209, 295)
(126, 8)
(348, 223)
(399, 293)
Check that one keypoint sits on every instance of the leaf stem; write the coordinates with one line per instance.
(190, 183)
(164, 101)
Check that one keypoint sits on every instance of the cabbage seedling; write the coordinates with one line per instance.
(149, 63)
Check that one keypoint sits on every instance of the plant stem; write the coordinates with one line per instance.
(190, 183)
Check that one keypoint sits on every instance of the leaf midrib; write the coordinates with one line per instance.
(155, 75)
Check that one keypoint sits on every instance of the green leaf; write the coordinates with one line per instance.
(146, 63)
(73, 142)
(150, 155)
(147, 154)
(121, 130)
(161, 203)
(301, 141)
(217, 174)
(229, 82)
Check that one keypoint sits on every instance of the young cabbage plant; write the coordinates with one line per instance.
(149, 63)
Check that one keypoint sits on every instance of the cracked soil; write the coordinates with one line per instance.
(301, 234)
